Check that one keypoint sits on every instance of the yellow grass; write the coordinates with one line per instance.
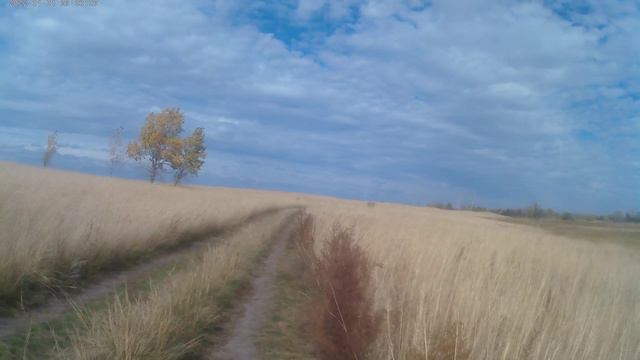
(450, 284)
(167, 323)
(466, 286)
(54, 222)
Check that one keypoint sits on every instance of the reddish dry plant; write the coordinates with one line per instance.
(343, 318)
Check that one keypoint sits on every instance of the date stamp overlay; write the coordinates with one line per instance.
(52, 3)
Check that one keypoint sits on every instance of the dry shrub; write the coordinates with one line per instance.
(343, 319)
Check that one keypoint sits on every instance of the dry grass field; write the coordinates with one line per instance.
(446, 284)
(598, 231)
(462, 285)
(168, 322)
(57, 226)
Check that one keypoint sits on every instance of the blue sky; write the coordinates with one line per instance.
(498, 103)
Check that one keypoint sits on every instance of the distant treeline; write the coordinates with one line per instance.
(535, 211)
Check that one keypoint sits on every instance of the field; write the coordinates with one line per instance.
(58, 226)
(443, 284)
(592, 230)
(492, 289)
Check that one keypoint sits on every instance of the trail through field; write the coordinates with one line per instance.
(114, 280)
(240, 345)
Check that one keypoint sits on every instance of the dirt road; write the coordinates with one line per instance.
(110, 282)
(240, 345)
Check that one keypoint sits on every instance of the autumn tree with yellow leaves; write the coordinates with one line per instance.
(160, 145)
(187, 156)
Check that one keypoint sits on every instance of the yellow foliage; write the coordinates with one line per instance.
(159, 140)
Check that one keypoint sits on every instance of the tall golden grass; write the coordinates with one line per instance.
(58, 224)
(458, 285)
(450, 285)
(168, 322)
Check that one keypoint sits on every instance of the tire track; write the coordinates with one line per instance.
(108, 284)
(240, 344)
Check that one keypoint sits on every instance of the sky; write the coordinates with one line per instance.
(494, 103)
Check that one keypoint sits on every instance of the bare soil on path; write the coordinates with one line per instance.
(240, 343)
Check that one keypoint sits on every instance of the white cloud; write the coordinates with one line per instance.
(470, 95)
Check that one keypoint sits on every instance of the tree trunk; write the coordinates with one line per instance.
(178, 176)
(153, 170)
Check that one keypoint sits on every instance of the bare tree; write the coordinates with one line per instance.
(116, 149)
(52, 148)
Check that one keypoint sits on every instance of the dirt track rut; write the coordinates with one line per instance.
(240, 344)
(55, 307)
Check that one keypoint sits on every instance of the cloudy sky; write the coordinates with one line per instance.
(498, 103)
